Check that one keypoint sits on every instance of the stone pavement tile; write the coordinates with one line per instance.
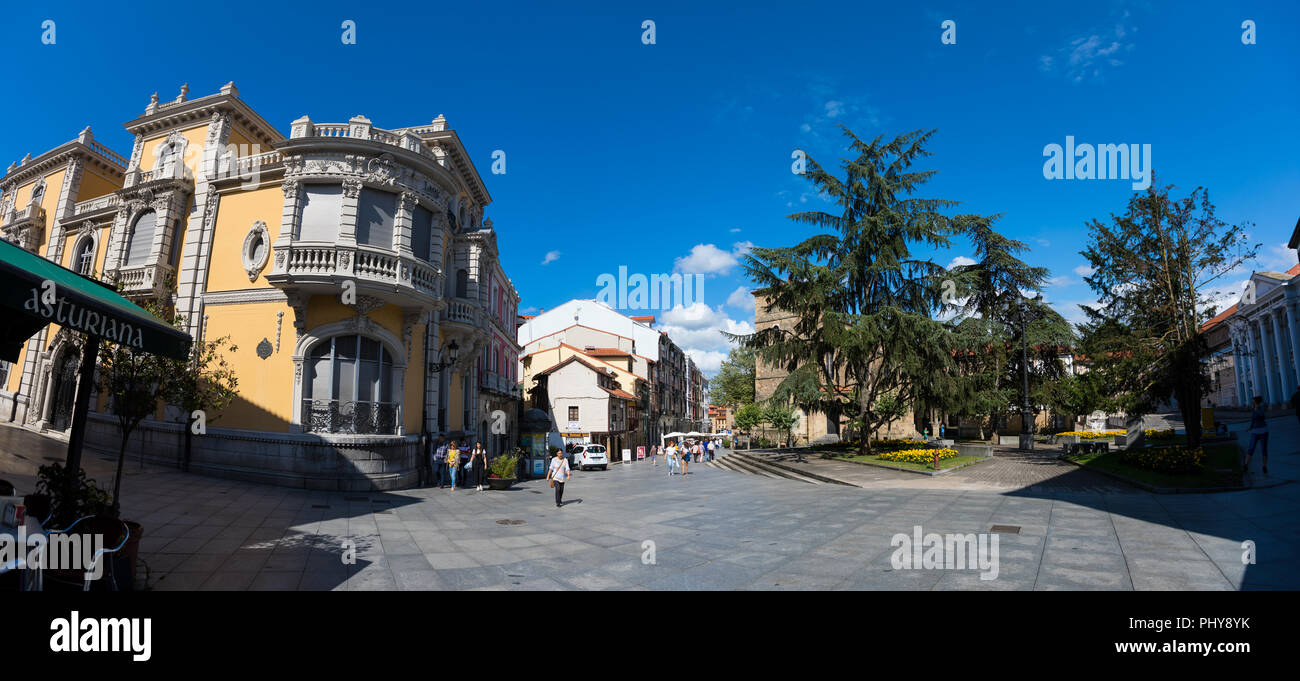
(221, 546)
(180, 581)
(515, 542)
(972, 580)
(229, 581)
(471, 544)
(371, 579)
(282, 559)
(418, 580)
(493, 557)
(245, 560)
(1060, 578)
(711, 576)
(1176, 572)
(276, 580)
(464, 579)
(537, 584)
(401, 546)
(200, 563)
(333, 581)
(169, 530)
(446, 561)
(593, 580)
(183, 545)
(1087, 543)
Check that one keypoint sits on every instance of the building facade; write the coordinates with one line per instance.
(601, 332)
(1260, 341)
(348, 263)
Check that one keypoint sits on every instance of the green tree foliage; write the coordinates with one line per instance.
(734, 384)
(994, 315)
(1152, 267)
(861, 301)
(781, 418)
(748, 417)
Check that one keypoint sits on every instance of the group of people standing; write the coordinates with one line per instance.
(678, 455)
(449, 462)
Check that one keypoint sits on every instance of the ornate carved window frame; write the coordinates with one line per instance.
(254, 265)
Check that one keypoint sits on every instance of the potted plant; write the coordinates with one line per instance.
(70, 495)
(501, 471)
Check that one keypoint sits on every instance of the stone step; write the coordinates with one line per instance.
(736, 466)
(784, 471)
(770, 470)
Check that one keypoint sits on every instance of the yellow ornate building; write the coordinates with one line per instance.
(348, 263)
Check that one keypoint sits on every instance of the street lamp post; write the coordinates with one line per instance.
(1026, 414)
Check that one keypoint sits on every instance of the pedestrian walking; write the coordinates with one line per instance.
(686, 459)
(670, 453)
(1258, 434)
(558, 474)
(453, 462)
(654, 455)
(478, 465)
(438, 461)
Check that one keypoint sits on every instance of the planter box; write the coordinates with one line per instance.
(1005, 440)
(500, 483)
(982, 451)
(1070, 439)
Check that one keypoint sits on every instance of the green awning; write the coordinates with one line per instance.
(29, 302)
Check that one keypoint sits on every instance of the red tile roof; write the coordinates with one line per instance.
(620, 393)
(1220, 317)
(606, 352)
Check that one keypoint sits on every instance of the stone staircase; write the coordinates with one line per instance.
(749, 464)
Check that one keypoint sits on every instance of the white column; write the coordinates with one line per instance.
(1285, 375)
(1239, 366)
(1293, 324)
(1259, 385)
(1266, 357)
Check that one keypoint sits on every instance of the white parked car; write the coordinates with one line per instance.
(590, 456)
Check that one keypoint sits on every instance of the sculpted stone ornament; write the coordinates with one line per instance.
(382, 169)
(264, 348)
(352, 188)
(256, 250)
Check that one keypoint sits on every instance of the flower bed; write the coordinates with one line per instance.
(1178, 460)
(919, 455)
(1093, 434)
(1158, 435)
(895, 445)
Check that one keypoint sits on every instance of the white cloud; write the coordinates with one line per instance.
(709, 259)
(834, 108)
(1084, 271)
(960, 261)
(1276, 258)
(697, 330)
(735, 229)
(1088, 56)
(1059, 282)
(741, 299)
(551, 256)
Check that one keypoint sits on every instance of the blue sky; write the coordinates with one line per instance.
(676, 155)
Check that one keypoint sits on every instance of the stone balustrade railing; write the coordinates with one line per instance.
(246, 165)
(359, 263)
(109, 154)
(461, 312)
(100, 203)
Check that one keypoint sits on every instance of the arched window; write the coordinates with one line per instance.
(137, 252)
(349, 387)
(83, 256)
(38, 193)
(462, 284)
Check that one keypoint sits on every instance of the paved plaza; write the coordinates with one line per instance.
(714, 529)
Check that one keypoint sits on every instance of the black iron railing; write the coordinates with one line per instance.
(337, 416)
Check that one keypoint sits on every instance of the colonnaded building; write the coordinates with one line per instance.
(353, 267)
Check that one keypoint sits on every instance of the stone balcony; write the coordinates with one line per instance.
(146, 281)
(395, 278)
(24, 228)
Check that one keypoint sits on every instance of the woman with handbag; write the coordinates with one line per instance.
(558, 475)
(478, 465)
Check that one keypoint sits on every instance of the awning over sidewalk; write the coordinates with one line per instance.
(35, 292)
